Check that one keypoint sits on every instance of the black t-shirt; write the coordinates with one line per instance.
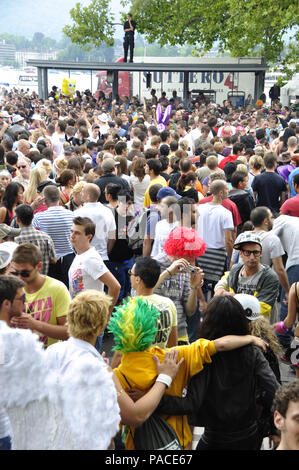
(109, 178)
(121, 250)
(127, 26)
(269, 186)
(191, 193)
(243, 201)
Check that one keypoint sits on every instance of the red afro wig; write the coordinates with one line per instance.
(184, 242)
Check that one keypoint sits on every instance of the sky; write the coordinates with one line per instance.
(25, 17)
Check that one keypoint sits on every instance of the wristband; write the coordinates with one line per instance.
(168, 271)
(280, 328)
(164, 379)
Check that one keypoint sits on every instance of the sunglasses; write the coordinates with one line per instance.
(23, 273)
(21, 166)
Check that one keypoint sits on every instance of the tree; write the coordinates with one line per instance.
(251, 28)
(246, 28)
(92, 26)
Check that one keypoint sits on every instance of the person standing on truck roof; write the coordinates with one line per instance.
(129, 29)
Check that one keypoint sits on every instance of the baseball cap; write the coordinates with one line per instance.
(103, 117)
(6, 251)
(164, 192)
(251, 306)
(247, 237)
(7, 231)
(17, 118)
(108, 164)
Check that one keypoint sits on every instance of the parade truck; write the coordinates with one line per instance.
(218, 86)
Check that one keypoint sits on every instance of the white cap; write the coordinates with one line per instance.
(250, 304)
(103, 117)
(6, 252)
(17, 118)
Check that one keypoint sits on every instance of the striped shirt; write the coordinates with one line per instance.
(42, 240)
(57, 223)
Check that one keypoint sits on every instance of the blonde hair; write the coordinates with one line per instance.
(242, 167)
(37, 176)
(46, 164)
(88, 314)
(184, 145)
(78, 187)
(262, 329)
(259, 150)
(218, 147)
(242, 159)
(256, 162)
(60, 164)
(36, 134)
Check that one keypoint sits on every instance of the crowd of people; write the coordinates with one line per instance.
(178, 237)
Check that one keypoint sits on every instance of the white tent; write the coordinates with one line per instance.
(290, 91)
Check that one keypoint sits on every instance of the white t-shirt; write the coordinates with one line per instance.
(213, 220)
(57, 143)
(286, 228)
(163, 229)
(127, 178)
(85, 271)
(104, 129)
(139, 188)
(272, 247)
(104, 220)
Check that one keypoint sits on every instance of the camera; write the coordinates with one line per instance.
(189, 269)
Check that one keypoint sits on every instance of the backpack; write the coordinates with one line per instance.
(137, 229)
(156, 434)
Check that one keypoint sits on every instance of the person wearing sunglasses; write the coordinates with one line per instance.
(24, 169)
(47, 298)
(251, 276)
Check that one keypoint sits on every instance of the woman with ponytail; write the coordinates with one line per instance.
(186, 186)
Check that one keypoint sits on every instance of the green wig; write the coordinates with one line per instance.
(134, 325)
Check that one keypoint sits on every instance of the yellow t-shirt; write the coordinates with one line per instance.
(167, 319)
(140, 371)
(158, 180)
(47, 304)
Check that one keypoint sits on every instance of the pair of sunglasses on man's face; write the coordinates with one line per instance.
(24, 273)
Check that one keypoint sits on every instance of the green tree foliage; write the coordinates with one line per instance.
(92, 25)
(242, 28)
(248, 28)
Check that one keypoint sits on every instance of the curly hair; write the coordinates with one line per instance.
(262, 329)
(184, 242)
(288, 392)
(88, 314)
